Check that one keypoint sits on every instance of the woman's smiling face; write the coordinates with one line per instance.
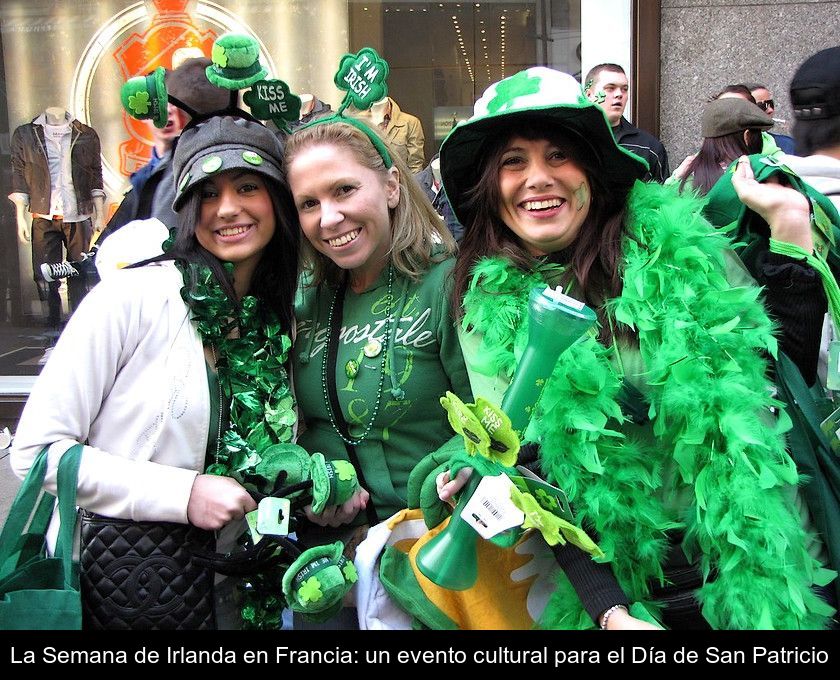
(236, 221)
(344, 206)
(544, 195)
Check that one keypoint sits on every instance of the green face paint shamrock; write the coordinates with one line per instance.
(600, 97)
(310, 590)
(362, 76)
(139, 103)
(510, 89)
(486, 429)
(272, 100)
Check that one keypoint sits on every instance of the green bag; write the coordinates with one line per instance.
(38, 591)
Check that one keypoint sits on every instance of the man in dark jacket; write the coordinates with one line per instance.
(607, 86)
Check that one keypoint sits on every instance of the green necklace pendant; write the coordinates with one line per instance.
(351, 368)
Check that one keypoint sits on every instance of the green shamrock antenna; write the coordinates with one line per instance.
(363, 77)
(272, 100)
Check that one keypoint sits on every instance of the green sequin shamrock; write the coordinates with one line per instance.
(486, 429)
(310, 590)
(272, 100)
(362, 76)
(508, 90)
(589, 84)
(345, 470)
(139, 103)
(350, 573)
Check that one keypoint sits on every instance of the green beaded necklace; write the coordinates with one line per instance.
(328, 366)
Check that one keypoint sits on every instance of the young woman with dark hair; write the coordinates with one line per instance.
(659, 428)
(174, 372)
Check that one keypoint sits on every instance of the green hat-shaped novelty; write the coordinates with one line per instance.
(236, 62)
(145, 98)
(317, 581)
(333, 482)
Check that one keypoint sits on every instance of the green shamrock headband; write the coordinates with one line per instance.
(236, 65)
(363, 77)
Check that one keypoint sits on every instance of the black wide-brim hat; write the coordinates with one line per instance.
(537, 93)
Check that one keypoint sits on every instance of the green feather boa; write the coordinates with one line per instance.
(711, 448)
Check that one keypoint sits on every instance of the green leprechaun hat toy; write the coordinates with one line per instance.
(145, 98)
(236, 62)
(317, 581)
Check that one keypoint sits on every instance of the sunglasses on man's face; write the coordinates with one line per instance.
(766, 104)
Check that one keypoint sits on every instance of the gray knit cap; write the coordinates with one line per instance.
(224, 143)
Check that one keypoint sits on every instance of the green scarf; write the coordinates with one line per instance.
(709, 403)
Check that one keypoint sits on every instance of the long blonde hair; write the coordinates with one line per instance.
(415, 226)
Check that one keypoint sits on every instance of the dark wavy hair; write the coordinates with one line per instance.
(275, 278)
(706, 168)
(594, 257)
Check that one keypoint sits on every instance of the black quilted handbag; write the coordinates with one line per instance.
(142, 575)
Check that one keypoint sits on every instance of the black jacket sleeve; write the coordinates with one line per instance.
(796, 300)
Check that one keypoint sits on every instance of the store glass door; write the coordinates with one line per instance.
(443, 55)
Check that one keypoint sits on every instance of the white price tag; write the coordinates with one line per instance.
(273, 516)
(490, 510)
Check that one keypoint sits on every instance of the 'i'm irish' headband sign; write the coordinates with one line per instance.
(363, 76)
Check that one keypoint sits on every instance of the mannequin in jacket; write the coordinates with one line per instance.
(23, 218)
(59, 224)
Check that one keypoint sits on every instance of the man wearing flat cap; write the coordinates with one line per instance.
(815, 96)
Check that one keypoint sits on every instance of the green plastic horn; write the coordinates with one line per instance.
(556, 322)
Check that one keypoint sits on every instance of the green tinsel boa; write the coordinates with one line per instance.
(251, 356)
(711, 433)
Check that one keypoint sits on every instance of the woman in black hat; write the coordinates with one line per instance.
(173, 375)
(658, 427)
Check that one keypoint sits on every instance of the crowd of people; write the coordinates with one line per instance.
(312, 292)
